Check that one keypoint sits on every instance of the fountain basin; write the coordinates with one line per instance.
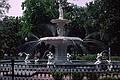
(61, 44)
(52, 40)
(63, 21)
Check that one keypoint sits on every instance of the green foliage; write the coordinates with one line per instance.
(89, 57)
(57, 75)
(77, 76)
(25, 29)
(92, 57)
(104, 16)
(93, 76)
(39, 11)
(8, 35)
(115, 58)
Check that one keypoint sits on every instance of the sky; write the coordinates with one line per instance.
(16, 9)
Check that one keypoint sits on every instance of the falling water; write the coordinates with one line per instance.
(52, 29)
(34, 36)
(81, 45)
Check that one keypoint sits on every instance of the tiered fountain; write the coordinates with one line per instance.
(60, 42)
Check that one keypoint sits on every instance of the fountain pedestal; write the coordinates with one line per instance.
(60, 53)
(60, 43)
(60, 25)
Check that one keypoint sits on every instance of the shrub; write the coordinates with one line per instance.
(57, 75)
(77, 76)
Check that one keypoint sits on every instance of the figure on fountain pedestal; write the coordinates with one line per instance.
(99, 58)
(109, 65)
(60, 10)
(20, 54)
(68, 57)
(36, 61)
(50, 58)
(36, 58)
(26, 58)
(103, 62)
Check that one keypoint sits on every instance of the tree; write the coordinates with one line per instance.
(103, 16)
(9, 35)
(112, 22)
(4, 7)
(36, 14)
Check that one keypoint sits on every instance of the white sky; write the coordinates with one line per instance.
(16, 9)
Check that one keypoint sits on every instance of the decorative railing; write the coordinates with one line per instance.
(40, 71)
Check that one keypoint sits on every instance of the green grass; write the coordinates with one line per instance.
(92, 57)
(87, 57)
(115, 58)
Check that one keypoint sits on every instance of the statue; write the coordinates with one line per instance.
(20, 54)
(26, 58)
(99, 58)
(109, 66)
(103, 61)
(36, 61)
(50, 57)
(60, 10)
(36, 57)
(68, 57)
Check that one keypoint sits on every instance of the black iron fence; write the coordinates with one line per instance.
(16, 70)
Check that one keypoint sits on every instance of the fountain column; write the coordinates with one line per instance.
(60, 52)
(60, 47)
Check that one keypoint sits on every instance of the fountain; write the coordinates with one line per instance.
(61, 42)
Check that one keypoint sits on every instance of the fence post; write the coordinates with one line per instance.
(12, 68)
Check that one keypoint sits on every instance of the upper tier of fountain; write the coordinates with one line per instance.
(60, 21)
